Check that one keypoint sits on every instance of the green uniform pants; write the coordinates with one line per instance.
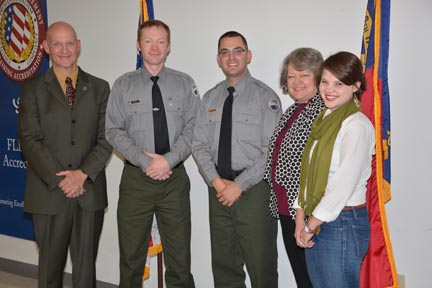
(140, 198)
(244, 233)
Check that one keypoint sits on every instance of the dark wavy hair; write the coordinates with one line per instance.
(346, 67)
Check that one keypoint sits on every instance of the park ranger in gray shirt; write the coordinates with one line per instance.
(242, 230)
(150, 118)
(130, 115)
(256, 108)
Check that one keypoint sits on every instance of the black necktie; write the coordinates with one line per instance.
(224, 153)
(70, 91)
(160, 126)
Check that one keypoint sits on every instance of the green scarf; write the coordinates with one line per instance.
(314, 173)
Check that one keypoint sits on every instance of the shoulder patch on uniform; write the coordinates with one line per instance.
(195, 90)
(273, 105)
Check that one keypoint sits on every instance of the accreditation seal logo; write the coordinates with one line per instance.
(22, 30)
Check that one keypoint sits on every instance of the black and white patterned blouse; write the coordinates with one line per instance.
(289, 161)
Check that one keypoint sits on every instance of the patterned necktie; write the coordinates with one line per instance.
(70, 91)
(224, 153)
(160, 126)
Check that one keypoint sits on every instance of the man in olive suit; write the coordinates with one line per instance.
(61, 127)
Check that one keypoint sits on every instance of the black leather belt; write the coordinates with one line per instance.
(234, 174)
(127, 162)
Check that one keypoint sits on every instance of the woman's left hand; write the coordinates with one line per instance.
(304, 239)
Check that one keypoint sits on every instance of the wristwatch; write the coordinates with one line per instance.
(308, 230)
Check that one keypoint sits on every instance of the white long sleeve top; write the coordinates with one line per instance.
(350, 168)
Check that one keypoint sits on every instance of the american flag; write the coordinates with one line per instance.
(17, 30)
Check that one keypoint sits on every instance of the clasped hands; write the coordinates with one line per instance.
(227, 192)
(72, 184)
(303, 239)
(159, 168)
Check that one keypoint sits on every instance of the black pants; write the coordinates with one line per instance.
(296, 254)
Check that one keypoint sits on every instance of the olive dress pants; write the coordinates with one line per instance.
(140, 198)
(244, 234)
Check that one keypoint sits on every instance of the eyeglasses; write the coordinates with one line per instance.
(236, 52)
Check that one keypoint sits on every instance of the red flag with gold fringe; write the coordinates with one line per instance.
(378, 268)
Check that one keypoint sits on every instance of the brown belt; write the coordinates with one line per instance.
(353, 207)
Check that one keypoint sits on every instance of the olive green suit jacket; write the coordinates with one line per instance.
(55, 138)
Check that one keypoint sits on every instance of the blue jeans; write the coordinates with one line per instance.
(339, 249)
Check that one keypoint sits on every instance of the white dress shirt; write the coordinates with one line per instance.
(350, 167)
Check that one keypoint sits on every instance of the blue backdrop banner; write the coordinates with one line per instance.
(22, 29)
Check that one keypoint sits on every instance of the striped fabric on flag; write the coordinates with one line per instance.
(378, 268)
(155, 244)
(17, 30)
(146, 13)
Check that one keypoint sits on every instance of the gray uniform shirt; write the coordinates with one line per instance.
(256, 111)
(129, 117)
